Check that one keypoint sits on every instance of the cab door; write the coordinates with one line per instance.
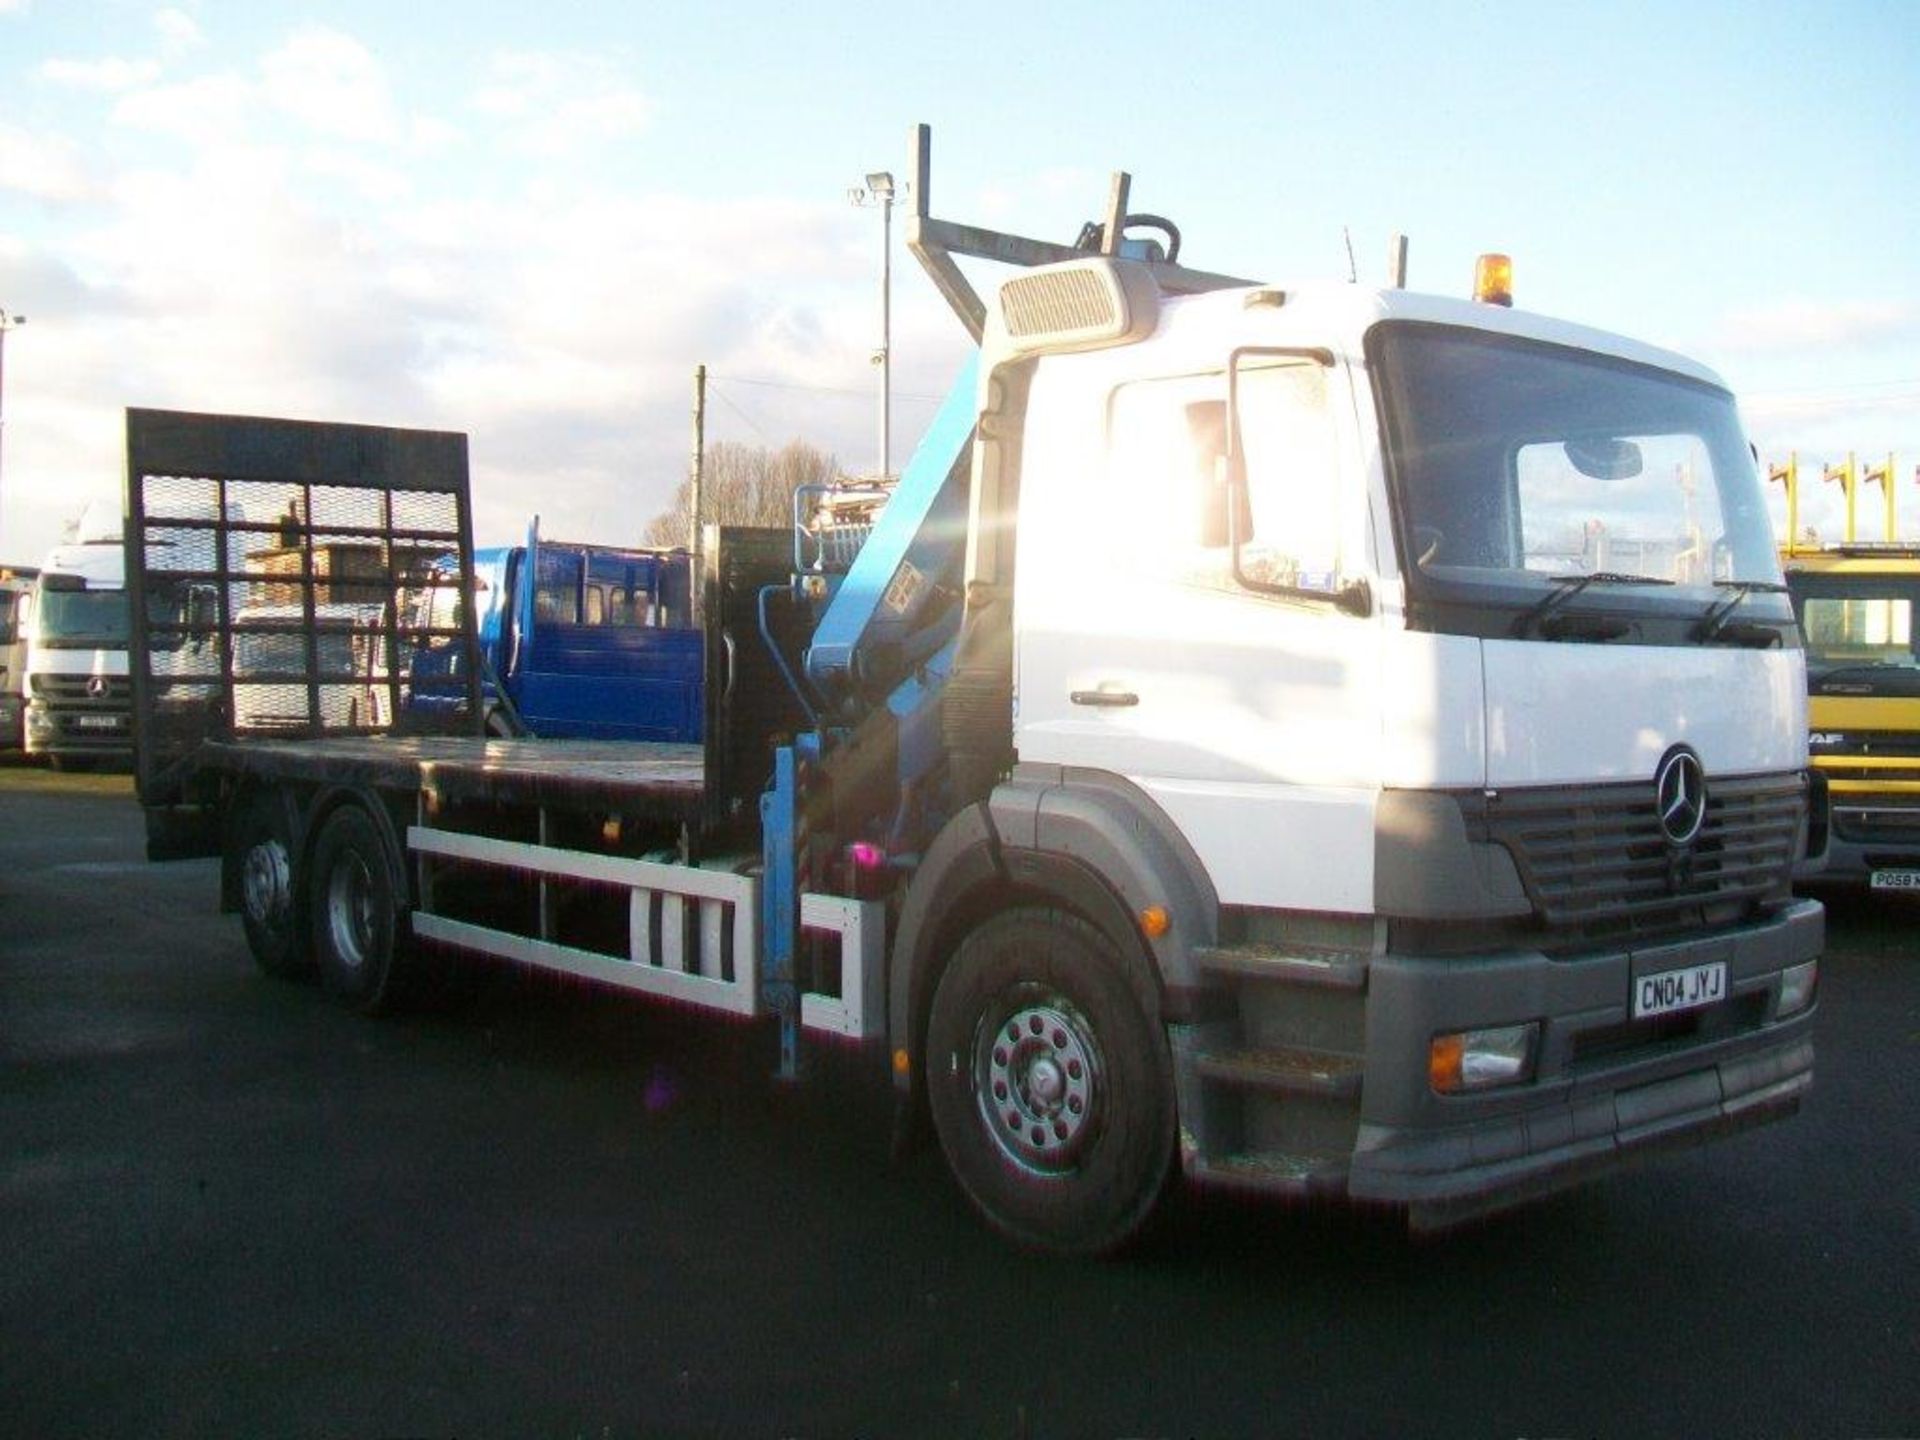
(1188, 632)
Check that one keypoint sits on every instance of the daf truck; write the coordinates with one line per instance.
(1857, 602)
(1324, 741)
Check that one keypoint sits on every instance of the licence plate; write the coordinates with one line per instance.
(1894, 880)
(97, 722)
(1673, 990)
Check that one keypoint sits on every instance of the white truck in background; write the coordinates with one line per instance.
(79, 705)
(16, 606)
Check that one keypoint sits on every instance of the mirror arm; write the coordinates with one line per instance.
(1354, 597)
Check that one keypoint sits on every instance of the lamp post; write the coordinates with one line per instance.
(879, 192)
(8, 321)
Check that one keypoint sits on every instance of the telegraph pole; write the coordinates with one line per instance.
(8, 321)
(698, 473)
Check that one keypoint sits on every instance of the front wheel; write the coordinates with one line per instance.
(1050, 1083)
(355, 913)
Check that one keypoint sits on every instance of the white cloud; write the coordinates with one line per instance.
(250, 269)
(179, 32)
(557, 105)
(377, 183)
(47, 167)
(209, 110)
(332, 83)
(108, 76)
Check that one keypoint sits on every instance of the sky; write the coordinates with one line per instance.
(531, 223)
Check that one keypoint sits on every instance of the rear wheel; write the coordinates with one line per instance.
(273, 909)
(1050, 1083)
(356, 914)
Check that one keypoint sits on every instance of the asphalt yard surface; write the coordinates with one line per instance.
(232, 1209)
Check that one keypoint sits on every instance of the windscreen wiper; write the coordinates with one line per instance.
(1817, 676)
(1718, 613)
(1568, 586)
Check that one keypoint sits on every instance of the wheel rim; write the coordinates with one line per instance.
(266, 882)
(1037, 1081)
(350, 911)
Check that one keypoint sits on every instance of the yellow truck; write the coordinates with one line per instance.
(1857, 603)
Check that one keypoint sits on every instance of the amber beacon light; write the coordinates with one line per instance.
(1493, 280)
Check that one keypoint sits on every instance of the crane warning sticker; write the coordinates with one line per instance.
(905, 589)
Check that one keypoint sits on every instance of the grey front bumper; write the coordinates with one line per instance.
(1604, 1087)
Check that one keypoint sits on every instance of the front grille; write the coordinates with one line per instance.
(1594, 861)
(76, 689)
(1880, 821)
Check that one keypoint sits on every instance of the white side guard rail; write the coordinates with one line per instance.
(682, 958)
(692, 934)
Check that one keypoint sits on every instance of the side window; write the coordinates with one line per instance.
(556, 595)
(1286, 437)
(596, 598)
(1167, 447)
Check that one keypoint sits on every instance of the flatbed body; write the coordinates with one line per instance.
(651, 780)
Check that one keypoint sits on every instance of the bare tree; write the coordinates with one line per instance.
(744, 485)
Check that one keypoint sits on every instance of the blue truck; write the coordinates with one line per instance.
(1214, 765)
(576, 641)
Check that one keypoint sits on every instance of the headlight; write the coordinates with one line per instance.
(1797, 985)
(1482, 1059)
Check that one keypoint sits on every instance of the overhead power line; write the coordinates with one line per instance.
(819, 389)
(1850, 388)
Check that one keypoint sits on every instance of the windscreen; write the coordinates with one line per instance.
(83, 617)
(1860, 633)
(1521, 470)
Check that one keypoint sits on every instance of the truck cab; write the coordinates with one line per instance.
(1856, 604)
(1418, 677)
(78, 698)
(577, 641)
(16, 610)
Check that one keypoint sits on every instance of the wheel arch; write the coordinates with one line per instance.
(1089, 842)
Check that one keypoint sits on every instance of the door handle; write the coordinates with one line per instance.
(1104, 699)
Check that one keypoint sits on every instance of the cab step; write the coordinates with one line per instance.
(1289, 1070)
(1302, 965)
(1301, 1175)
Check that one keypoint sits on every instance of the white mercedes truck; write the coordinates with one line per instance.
(1329, 741)
(79, 703)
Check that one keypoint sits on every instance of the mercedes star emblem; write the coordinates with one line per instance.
(1680, 795)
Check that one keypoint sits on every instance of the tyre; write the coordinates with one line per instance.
(355, 913)
(273, 906)
(1050, 1083)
